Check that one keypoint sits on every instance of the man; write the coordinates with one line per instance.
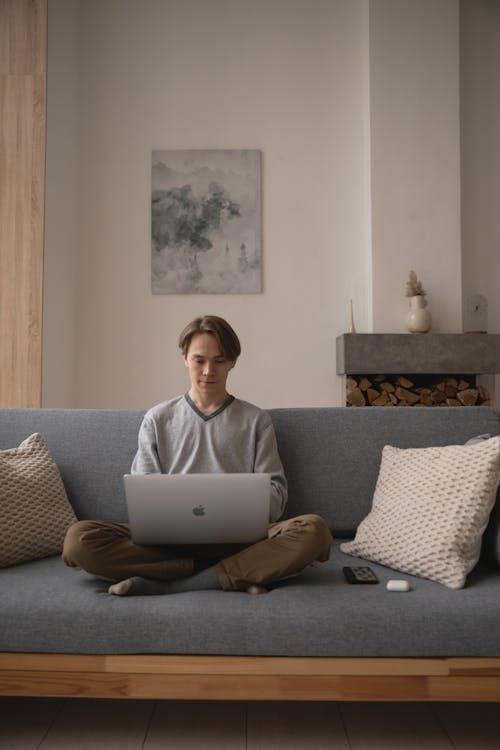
(206, 430)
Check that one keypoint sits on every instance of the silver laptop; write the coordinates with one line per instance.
(198, 508)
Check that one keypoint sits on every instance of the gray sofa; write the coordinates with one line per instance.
(312, 637)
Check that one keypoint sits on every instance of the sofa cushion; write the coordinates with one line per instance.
(34, 509)
(430, 509)
(48, 607)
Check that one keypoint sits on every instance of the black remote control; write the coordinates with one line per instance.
(361, 574)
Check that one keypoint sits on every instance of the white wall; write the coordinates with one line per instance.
(480, 118)
(354, 104)
(415, 147)
(285, 76)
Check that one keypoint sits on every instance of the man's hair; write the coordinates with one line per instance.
(217, 327)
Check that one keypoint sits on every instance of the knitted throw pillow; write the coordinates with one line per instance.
(430, 509)
(34, 508)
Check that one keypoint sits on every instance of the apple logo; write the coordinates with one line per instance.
(199, 510)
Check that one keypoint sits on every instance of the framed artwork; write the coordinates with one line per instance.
(206, 222)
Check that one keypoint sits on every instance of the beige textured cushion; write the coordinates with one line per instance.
(34, 509)
(430, 509)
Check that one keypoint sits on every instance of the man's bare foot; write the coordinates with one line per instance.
(121, 588)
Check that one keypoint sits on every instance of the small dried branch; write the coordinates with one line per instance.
(414, 287)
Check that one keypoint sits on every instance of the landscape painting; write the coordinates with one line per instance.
(206, 222)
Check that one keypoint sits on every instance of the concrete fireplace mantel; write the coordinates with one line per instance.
(401, 353)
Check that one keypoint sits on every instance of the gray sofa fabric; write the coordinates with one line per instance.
(47, 607)
(331, 458)
(92, 448)
(331, 455)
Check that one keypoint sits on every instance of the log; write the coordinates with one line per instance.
(388, 387)
(404, 382)
(350, 384)
(468, 397)
(426, 400)
(383, 390)
(438, 396)
(382, 400)
(405, 395)
(484, 394)
(355, 397)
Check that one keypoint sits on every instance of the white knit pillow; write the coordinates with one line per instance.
(430, 509)
(34, 509)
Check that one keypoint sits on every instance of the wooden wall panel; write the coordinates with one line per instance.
(23, 73)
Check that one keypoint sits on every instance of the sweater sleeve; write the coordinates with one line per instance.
(146, 459)
(267, 461)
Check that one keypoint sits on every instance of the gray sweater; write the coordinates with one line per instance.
(176, 438)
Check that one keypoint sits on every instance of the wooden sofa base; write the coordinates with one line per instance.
(249, 678)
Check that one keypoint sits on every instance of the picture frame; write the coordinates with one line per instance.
(206, 222)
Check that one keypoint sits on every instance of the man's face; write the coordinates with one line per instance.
(208, 368)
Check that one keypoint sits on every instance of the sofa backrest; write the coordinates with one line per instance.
(92, 448)
(331, 455)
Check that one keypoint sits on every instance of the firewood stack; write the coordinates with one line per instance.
(398, 390)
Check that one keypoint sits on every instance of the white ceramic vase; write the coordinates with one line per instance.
(418, 319)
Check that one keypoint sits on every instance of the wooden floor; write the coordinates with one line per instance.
(81, 724)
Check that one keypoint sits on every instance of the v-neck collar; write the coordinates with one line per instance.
(207, 417)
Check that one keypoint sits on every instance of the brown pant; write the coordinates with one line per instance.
(106, 549)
